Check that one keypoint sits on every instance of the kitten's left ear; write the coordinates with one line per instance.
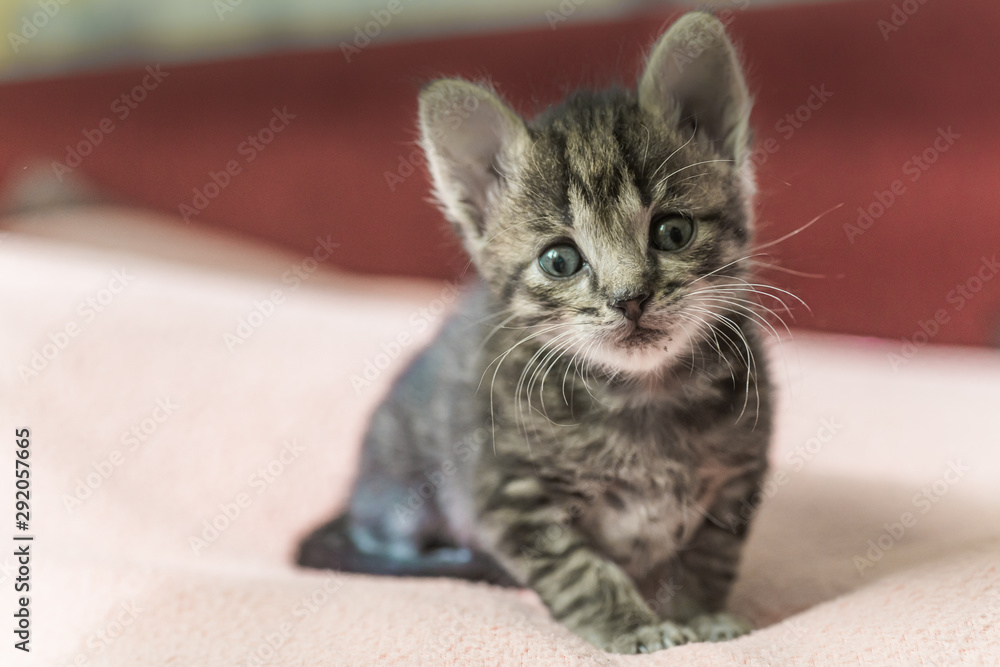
(693, 75)
(472, 140)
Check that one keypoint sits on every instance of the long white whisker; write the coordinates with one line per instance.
(758, 318)
(751, 362)
(560, 353)
(540, 366)
(499, 362)
(674, 173)
(694, 131)
(800, 229)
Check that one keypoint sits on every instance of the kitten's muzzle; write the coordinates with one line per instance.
(632, 306)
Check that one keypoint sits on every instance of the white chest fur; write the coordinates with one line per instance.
(640, 520)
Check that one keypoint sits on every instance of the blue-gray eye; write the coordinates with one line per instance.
(671, 231)
(561, 261)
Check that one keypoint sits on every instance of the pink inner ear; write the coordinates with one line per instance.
(469, 135)
(694, 77)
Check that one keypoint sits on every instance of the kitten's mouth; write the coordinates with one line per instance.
(635, 348)
(638, 336)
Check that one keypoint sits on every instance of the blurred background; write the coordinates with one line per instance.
(96, 33)
(288, 121)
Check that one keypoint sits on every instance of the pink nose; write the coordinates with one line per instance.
(631, 308)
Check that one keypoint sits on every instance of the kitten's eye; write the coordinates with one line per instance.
(561, 261)
(671, 232)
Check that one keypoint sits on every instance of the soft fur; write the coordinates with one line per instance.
(591, 436)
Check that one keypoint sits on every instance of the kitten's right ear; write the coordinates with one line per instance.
(693, 74)
(471, 140)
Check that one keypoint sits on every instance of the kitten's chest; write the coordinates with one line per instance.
(641, 516)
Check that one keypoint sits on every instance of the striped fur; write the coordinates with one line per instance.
(544, 439)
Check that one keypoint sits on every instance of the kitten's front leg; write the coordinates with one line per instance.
(709, 562)
(534, 538)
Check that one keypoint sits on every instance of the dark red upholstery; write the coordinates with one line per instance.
(326, 172)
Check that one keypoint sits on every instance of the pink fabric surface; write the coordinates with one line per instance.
(116, 580)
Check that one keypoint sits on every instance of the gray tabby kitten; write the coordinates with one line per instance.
(608, 363)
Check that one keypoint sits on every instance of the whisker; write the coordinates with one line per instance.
(499, 362)
(715, 271)
(756, 317)
(700, 324)
(694, 132)
(674, 173)
(520, 383)
(751, 361)
(778, 267)
(759, 286)
(554, 343)
(740, 303)
(800, 229)
(560, 353)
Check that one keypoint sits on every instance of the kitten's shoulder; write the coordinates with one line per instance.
(451, 356)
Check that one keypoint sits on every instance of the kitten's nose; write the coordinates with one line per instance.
(632, 307)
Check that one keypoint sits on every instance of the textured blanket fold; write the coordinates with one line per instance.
(194, 411)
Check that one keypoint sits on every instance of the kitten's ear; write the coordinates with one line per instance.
(471, 139)
(693, 75)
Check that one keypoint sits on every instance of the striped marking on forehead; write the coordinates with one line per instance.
(597, 158)
(595, 170)
(600, 184)
(598, 145)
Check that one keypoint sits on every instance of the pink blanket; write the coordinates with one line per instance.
(196, 403)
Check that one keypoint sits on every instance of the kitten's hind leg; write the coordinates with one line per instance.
(382, 534)
(394, 524)
(339, 546)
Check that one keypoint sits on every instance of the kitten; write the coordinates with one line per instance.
(594, 416)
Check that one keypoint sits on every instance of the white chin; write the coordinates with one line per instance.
(650, 358)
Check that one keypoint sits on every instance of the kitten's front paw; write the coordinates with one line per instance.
(719, 627)
(653, 637)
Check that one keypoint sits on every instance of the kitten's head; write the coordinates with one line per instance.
(605, 216)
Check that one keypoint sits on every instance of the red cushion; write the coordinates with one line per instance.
(326, 173)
